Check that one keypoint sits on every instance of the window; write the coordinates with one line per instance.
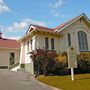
(27, 46)
(82, 41)
(46, 43)
(12, 57)
(52, 43)
(69, 39)
(31, 45)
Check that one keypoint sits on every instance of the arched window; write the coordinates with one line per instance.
(82, 41)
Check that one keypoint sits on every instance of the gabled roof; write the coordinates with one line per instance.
(66, 24)
(9, 43)
(43, 28)
(57, 29)
(37, 27)
(60, 27)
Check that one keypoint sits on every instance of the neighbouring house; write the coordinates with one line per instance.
(9, 52)
(75, 33)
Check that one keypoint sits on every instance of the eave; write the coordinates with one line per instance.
(9, 48)
(44, 32)
(72, 21)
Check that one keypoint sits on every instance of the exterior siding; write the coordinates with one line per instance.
(40, 42)
(73, 29)
(60, 43)
(4, 56)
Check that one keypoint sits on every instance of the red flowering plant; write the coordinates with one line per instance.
(44, 61)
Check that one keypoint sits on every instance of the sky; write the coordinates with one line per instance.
(17, 15)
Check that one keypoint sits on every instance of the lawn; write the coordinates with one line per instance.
(82, 82)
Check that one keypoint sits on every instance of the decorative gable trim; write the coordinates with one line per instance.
(72, 21)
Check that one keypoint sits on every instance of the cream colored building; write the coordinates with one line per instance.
(75, 33)
(9, 52)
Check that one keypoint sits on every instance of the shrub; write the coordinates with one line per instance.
(61, 68)
(61, 64)
(83, 63)
(48, 62)
(44, 61)
(83, 60)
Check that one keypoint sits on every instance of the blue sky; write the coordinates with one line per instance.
(17, 15)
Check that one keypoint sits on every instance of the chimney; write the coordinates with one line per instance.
(0, 33)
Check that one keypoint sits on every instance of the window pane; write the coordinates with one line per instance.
(82, 40)
(69, 39)
(27, 46)
(30, 45)
(46, 43)
(52, 43)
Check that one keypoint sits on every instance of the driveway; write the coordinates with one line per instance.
(20, 80)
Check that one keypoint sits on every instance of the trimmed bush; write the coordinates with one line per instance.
(83, 60)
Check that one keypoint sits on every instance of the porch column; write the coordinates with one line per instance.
(22, 54)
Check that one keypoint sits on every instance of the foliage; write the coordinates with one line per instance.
(49, 62)
(62, 57)
(61, 68)
(83, 60)
(61, 64)
(83, 56)
(44, 60)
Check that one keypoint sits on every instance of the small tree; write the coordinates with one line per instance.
(44, 60)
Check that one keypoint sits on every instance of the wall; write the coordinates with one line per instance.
(73, 29)
(61, 43)
(25, 55)
(40, 42)
(4, 56)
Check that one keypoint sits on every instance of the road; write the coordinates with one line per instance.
(20, 80)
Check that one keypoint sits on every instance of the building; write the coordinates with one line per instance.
(75, 33)
(9, 52)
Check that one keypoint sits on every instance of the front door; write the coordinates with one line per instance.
(11, 58)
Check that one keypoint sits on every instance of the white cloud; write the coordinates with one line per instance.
(17, 26)
(55, 8)
(1, 1)
(17, 29)
(3, 7)
(30, 21)
(57, 4)
(12, 37)
(56, 14)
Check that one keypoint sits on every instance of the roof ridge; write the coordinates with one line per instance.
(42, 26)
(68, 21)
(39, 26)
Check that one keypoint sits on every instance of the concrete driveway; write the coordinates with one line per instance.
(20, 80)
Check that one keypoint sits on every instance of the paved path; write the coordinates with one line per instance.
(10, 80)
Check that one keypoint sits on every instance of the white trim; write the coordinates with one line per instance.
(9, 48)
(82, 15)
(30, 28)
(20, 40)
(31, 33)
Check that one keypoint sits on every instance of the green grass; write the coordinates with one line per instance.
(82, 82)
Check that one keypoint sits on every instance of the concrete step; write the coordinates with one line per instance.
(21, 69)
